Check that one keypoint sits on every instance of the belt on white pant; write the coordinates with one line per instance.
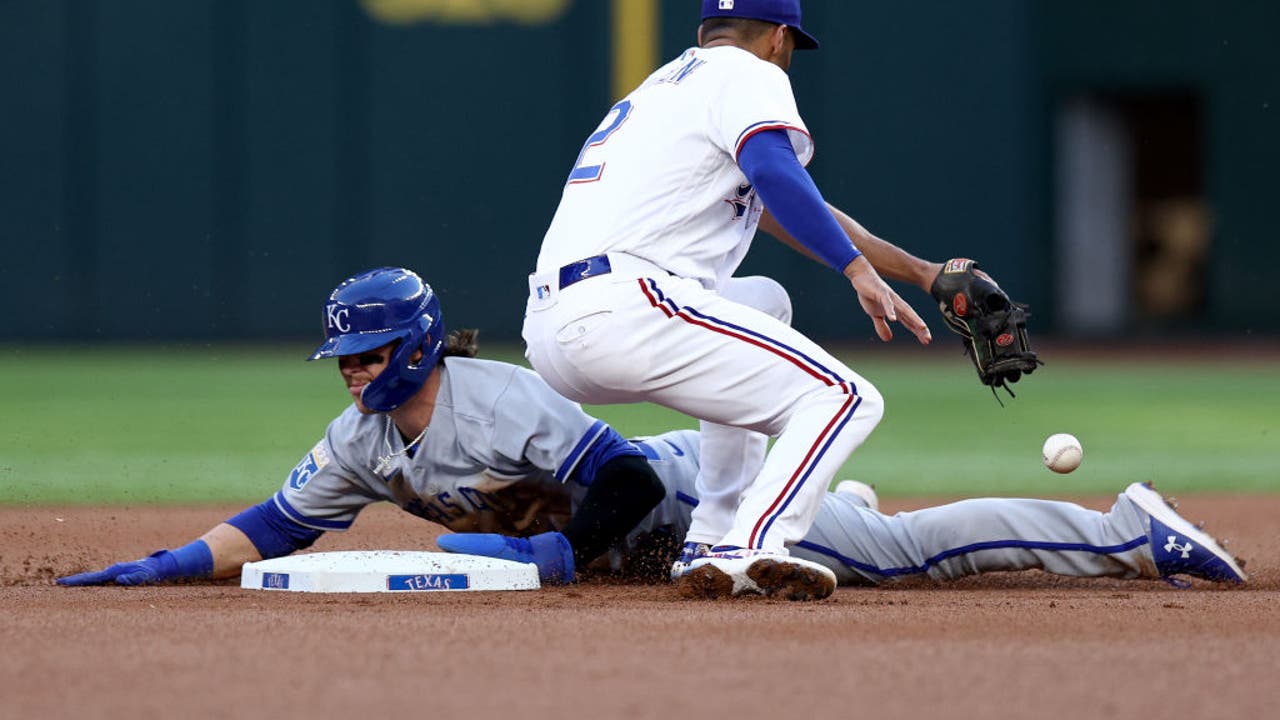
(543, 285)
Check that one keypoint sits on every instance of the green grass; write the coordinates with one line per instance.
(186, 425)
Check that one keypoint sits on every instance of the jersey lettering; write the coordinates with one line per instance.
(453, 509)
(591, 173)
(427, 511)
(475, 497)
(681, 72)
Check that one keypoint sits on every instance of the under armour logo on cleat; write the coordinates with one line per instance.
(1173, 545)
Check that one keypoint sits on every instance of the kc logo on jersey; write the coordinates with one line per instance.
(309, 466)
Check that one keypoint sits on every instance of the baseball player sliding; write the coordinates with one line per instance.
(628, 302)
(488, 449)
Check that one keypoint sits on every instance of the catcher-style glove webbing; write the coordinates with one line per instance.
(993, 327)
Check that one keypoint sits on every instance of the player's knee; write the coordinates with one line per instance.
(761, 293)
(775, 298)
(870, 402)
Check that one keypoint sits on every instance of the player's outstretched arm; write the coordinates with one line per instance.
(218, 553)
(231, 550)
(889, 260)
(797, 214)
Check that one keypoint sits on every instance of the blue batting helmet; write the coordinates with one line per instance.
(377, 307)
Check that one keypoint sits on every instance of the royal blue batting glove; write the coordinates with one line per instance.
(550, 551)
(189, 561)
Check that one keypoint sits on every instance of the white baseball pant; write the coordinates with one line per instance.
(639, 334)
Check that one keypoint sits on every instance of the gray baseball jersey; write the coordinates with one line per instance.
(496, 457)
(503, 450)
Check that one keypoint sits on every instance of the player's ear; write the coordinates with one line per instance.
(699, 36)
(778, 39)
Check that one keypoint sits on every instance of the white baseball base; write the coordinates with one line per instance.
(375, 571)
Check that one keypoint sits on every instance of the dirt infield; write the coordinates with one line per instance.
(1001, 646)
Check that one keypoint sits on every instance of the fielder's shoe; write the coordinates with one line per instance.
(1180, 548)
(861, 490)
(730, 572)
(690, 552)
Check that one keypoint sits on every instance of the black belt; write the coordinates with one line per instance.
(583, 269)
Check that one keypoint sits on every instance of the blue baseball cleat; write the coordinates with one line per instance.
(550, 551)
(1180, 548)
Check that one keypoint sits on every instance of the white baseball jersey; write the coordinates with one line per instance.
(675, 195)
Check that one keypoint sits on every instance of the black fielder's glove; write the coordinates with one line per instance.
(993, 327)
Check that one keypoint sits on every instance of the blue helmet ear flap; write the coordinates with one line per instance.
(402, 377)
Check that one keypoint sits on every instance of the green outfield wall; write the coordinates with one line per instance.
(208, 169)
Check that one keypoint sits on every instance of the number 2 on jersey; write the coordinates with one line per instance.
(591, 173)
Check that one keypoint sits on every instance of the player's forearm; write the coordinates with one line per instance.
(770, 224)
(231, 549)
(888, 259)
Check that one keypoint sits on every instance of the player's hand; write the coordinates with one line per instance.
(150, 569)
(882, 304)
(550, 551)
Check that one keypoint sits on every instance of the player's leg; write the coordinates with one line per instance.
(670, 341)
(731, 456)
(730, 364)
(987, 535)
(756, 372)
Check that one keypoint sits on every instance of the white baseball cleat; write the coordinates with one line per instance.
(735, 572)
(859, 489)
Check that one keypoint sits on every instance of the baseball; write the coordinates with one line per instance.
(1062, 453)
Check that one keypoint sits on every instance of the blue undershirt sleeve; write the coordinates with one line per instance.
(272, 532)
(770, 163)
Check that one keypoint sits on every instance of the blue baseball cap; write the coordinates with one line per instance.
(779, 12)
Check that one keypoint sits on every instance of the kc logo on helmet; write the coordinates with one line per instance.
(338, 317)
(726, 4)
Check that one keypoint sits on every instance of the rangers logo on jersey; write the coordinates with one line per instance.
(741, 200)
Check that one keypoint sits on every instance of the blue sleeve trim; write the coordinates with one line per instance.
(575, 456)
(765, 126)
(271, 532)
(292, 513)
(604, 445)
(790, 195)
